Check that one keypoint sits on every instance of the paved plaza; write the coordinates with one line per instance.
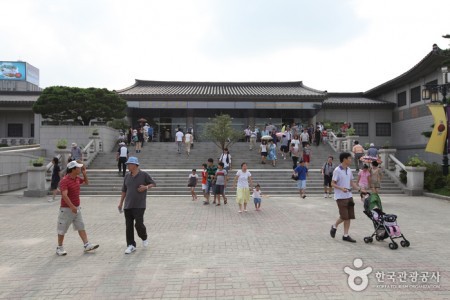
(207, 252)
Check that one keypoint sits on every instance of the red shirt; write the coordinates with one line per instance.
(72, 186)
(204, 176)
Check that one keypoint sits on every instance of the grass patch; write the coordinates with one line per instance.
(442, 191)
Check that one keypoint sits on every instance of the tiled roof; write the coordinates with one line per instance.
(18, 98)
(171, 89)
(336, 100)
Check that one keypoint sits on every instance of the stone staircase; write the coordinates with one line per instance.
(170, 170)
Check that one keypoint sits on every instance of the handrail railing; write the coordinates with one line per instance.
(397, 162)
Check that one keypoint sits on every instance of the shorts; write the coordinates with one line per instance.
(304, 144)
(66, 218)
(219, 189)
(375, 185)
(204, 186)
(306, 158)
(209, 187)
(363, 186)
(264, 154)
(257, 200)
(346, 208)
(242, 195)
(301, 184)
(327, 180)
(284, 149)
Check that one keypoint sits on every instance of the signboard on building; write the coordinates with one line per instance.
(32, 74)
(12, 70)
(18, 70)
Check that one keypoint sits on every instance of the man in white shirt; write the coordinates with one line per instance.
(342, 182)
(304, 137)
(121, 157)
(179, 139)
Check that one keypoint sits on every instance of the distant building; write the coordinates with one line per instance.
(392, 113)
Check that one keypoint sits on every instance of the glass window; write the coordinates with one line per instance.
(415, 94)
(383, 129)
(361, 129)
(401, 99)
(15, 130)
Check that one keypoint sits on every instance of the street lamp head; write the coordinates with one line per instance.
(426, 94)
(434, 96)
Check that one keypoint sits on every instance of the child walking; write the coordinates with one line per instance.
(221, 181)
(375, 177)
(257, 197)
(364, 178)
(192, 183)
(204, 179)
(302, 172)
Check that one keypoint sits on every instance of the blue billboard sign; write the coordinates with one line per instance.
(12, 70)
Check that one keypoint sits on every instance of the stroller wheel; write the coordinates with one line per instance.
(368, 239)
(393, 245)
(378, 238)
(404, 243)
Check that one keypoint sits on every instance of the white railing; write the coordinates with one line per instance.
(17, 141)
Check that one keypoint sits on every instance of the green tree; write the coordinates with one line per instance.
(220, 131)
(61, 103)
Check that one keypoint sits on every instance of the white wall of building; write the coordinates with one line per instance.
(49, 136)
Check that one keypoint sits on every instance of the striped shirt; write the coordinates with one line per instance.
(72, 186)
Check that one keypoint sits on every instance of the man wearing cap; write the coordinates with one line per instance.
(69, 212)
(134, 194)
(121, 157)
(76, 153)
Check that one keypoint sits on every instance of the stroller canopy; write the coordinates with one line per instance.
(372, 201)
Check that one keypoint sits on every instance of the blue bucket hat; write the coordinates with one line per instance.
(133, 160)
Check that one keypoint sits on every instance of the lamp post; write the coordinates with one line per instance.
(431, 92)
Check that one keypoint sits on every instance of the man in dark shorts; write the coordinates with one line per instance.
(342, 181)
(134, 194)
(327, 173)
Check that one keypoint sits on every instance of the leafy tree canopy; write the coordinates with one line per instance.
(61, 103)
(220, 131)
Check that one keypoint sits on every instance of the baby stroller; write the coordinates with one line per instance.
(385, 224)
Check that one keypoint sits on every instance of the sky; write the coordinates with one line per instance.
(333, 45)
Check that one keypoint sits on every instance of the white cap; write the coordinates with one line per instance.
(74, 144)
(372, 144)
(74, 164)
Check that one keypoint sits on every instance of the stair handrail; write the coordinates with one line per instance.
(89, 152)
(397, 162)
(332, 140)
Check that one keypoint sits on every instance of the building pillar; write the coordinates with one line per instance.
(37, 128)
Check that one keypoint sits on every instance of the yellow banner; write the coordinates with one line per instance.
(436, 143)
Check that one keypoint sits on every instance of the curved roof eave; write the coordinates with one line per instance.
(429, 63)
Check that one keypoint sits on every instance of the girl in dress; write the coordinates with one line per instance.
(272, 156)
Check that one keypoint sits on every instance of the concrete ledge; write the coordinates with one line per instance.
(35, 193)
(437, 196)
(412, 192)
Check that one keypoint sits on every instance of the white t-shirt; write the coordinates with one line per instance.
(304, 137)
(295, 142)
(179, 136)
(343, 178)
(256, 194)
(223, 158)
(187, 137)
(123, 151)
(243, 179)
(263, 148)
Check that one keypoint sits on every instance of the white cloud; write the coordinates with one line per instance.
(110, 43)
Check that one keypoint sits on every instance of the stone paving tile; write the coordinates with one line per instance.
(198, 252)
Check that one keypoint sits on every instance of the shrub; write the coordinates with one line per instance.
(61, 144)
(433, 177)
